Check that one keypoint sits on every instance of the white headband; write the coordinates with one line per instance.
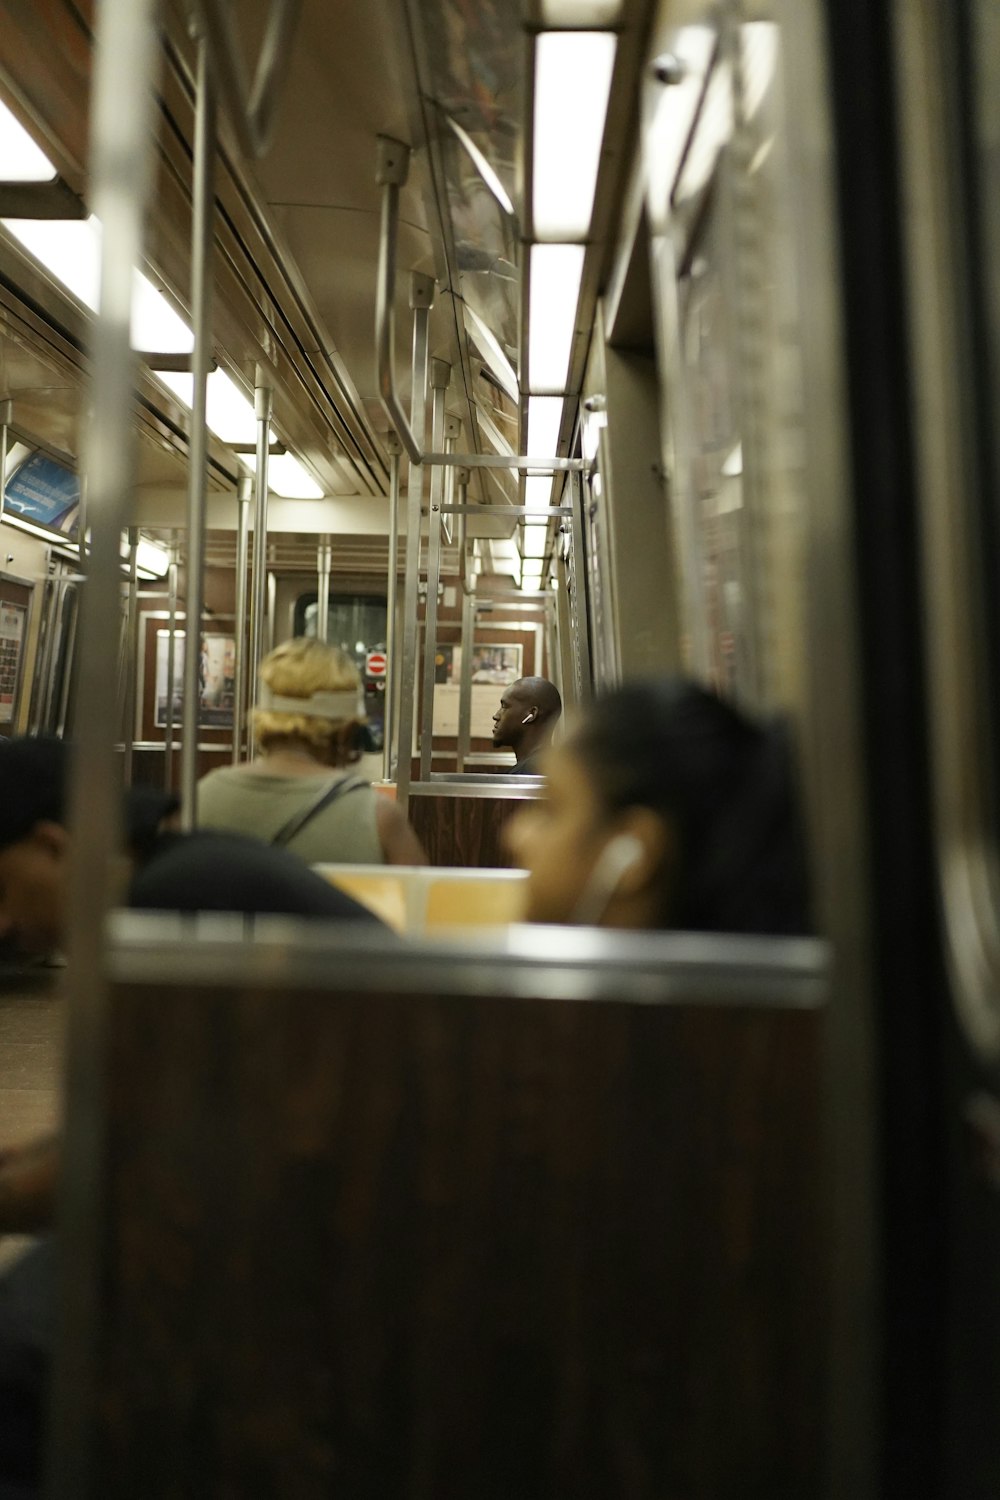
(347, 704)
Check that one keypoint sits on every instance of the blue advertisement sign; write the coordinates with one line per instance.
(45, 492)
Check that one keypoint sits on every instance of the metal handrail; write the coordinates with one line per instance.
(250, 107)
(391, 173)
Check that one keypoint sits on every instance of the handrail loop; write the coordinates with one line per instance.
(250, 107)
(392, 170)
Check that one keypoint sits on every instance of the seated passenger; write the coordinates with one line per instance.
(298, 792)
(528, 713)
(667, 807)
(199, 871)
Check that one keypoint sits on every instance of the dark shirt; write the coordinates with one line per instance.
(209, 871)
(529, 766)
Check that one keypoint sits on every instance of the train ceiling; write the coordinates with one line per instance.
(297, 231)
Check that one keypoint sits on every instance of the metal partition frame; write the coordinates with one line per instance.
(240, 685)
(126, 58)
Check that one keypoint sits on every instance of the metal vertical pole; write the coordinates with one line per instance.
(168, 717)
(202, 233)
(6, 413)
(391, 590)
(131, 651)
(421, 298)
(263, 406)
(578, 603)
(323, 588)
(440, 376)
(126, 54)
(465, 681)
(243, 491)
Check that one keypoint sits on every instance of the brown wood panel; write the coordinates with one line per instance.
(464, 831)
(414, 1246)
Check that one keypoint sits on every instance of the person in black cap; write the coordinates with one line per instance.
(163, 869)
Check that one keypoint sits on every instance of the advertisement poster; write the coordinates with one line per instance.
(12, 620)
(216, 679)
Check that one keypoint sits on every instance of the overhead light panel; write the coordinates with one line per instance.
(70, 250)
(537, 491)
(482, 166)
(228, 412)
(534, 540)
(572, 84)
(544, 420)
(556, 274)
(532, 574)
(287, 476)
(20, 159)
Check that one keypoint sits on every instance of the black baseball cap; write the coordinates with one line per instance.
(32, 785)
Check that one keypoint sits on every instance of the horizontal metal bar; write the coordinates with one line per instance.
(273, 448)
(498, 461)
(40, 200)
(508, 510)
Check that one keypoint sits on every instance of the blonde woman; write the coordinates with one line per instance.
(299, 791)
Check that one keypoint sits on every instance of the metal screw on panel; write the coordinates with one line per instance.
(669, 69)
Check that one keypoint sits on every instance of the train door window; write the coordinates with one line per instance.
(357, 624)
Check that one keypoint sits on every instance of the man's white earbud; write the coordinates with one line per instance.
(620, 855)
(528, 718)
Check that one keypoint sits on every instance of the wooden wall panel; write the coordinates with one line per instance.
(464, 831)
(372, 1246)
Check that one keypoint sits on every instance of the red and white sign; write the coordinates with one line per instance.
(375, 664)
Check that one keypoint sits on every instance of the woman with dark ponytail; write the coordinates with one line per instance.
(668, 807)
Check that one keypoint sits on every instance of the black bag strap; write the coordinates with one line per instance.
(329, 794)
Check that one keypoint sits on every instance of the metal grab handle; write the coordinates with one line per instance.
(250, 109)
(393, 166)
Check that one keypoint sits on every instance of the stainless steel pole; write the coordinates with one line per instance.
(126, 52)
(131, 651)
(263, 407)
(440, 376)
(465, 680)
(168, 717)
(6, 413)
(578, 602)
(391, 590)
(421, 296)
(323, 588)
(202, 234)
(243, 490)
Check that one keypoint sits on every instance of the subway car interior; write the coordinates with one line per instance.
(638, 355)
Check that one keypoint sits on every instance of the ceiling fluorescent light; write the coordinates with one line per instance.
(556, 273)
(22, 160)
(544, 419)
(538, 492)
(572, 83)
(152, 558)
(534, 540)
(489, 347)
(44, 533)
(286, 476)
(531, 576)
(70, 250)
(230, 415)
(482, 166)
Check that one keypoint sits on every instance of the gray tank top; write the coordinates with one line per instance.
(258, 802)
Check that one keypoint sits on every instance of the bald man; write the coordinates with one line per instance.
(528, 713)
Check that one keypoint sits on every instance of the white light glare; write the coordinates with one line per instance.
(733, 465)
(229, 414)
(533, 541)
(572, 83)
(22, 160)
(286, 476)
(531, 576)
(556, 273)
(152, 558)
(483, 167)
(537, 491)
(544, 418)
(70, 250)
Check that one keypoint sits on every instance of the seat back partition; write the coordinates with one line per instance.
(541, 1220)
